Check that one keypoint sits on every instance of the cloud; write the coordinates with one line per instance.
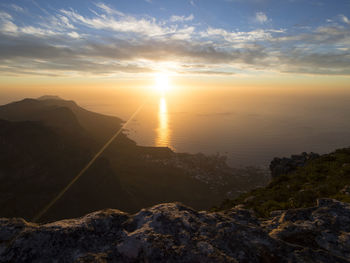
(208, 72)
(101, 58)
(5, 16)
(261, 17)
(125, 23)
(344, 19)
(6, 24)
(74, 34)
(36, 31)
(236, 37)
(109, 10)
(184, 33)
(181, 18)
(321, 36)
(109, 42)
(9, 27)
(51, 25)
(315, 63)
(128, 56)
(17, 8)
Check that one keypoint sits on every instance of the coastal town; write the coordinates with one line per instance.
(214, 171)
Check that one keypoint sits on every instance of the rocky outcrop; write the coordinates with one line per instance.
(175, 233)
(285, 165)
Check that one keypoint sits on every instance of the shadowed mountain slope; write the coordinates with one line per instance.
(36, 162)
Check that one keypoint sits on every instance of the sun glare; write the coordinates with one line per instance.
(162, 82)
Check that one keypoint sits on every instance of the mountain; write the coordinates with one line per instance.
(62, 114)
(101, 127)
(34, 110)
(298, 182)
(173, 232)
(46, 142)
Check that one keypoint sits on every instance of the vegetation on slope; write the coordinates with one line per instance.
(327, 176)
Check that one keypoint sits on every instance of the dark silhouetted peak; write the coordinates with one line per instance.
(100, 127)
(57, 116)
(50, 97)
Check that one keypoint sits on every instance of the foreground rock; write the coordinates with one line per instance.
(175, 233)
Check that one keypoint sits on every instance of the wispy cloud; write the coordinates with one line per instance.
(17, 8)
(124, 23)
(181, 18)
(236, 37)
(344, 19)
(261, 17)
(109, 10)
(6, 24)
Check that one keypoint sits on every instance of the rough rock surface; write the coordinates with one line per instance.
(285, 165)
(175, 233)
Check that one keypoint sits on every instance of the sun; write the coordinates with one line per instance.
(162, 84)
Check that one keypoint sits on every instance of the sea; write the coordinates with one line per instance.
(249, 125)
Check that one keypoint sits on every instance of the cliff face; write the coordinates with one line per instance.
(175, 233)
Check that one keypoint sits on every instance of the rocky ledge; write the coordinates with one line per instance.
(176, 233)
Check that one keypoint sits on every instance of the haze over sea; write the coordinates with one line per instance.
(249, 125)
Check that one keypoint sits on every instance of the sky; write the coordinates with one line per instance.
(195, 39)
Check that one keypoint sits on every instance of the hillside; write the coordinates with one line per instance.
(327, 176)
(36, 162)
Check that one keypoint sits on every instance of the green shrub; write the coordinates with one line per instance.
(324, 177)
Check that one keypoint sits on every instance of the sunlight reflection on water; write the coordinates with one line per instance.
(163, 134)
